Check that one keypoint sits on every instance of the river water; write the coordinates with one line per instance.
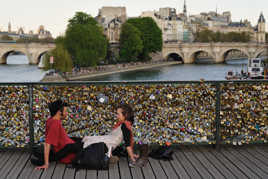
(181, 72)
(18, 70)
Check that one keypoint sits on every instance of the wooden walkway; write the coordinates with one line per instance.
(189, 162)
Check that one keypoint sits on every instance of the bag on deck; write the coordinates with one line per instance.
(162, 153)
(92, 157)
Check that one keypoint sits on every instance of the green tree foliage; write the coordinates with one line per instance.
(6, 37)
(85, 41)
(130, 43)
(81, 18)
(210, 36)
(151, 35)
(62, 59)
(60, 40)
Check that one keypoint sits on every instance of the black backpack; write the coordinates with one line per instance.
(162, 153)
(92, 157)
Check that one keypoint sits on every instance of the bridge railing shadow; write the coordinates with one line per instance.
(182, 112)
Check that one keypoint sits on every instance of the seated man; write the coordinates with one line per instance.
(64, 148)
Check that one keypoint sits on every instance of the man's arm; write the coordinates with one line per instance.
(46, 157)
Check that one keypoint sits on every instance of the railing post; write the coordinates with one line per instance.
(31, 122)
(218, 120)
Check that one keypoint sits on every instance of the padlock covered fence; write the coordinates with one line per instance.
(182, 112)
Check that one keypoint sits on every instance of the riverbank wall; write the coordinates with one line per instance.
(107, 70)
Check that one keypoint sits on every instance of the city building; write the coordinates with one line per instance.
(175, 27)
(111, 19)
(181, 27)
(20, 33)
(42, 33)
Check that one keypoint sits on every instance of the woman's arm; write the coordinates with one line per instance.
(131, 154)
(127, 139)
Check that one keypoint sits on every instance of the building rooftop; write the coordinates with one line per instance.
(261, 18)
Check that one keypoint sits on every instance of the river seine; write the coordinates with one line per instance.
(18, 70)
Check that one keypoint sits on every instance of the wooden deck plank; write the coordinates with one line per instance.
(136, 173)
(253, 159)
(257, 155)
(35, 173)
(181, 172)
(197, 164)
(59, 171)
(167, 167)
(92, 174)
(187, 165)
(4, 159)
(103, 174)
(124, 168)
(247, 171)
(189, 162)
(157, 169)
(113, 171)
(264, 148)
(9, 164)
(148, 171)
(251, 165)
(214, 161)
(207, 164)
(81, 174)
(29, 171)
(2, 154)
(231, 167)
(48, 172)
(69, 173)
(19, 166)
(261, 152)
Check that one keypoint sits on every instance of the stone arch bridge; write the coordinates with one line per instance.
(33, 51)
(187, 52)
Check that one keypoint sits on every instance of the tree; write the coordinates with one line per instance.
(85, 41)
(62, 59)
(6, 37)
(60, 40)
(151, 35)
(81, 18)
(130, 43)
(208, 36)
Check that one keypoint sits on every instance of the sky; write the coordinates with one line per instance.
(54, 14)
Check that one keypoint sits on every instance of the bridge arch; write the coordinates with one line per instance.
(193, 56)
(261, 51)
(40, 56)
(9, 52)
(225, 53)
(175, 57)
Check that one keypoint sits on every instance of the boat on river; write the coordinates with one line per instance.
(235, 76)
(256, 68)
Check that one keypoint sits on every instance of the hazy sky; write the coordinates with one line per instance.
(54, 14)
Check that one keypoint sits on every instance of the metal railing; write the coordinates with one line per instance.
(181, 112)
